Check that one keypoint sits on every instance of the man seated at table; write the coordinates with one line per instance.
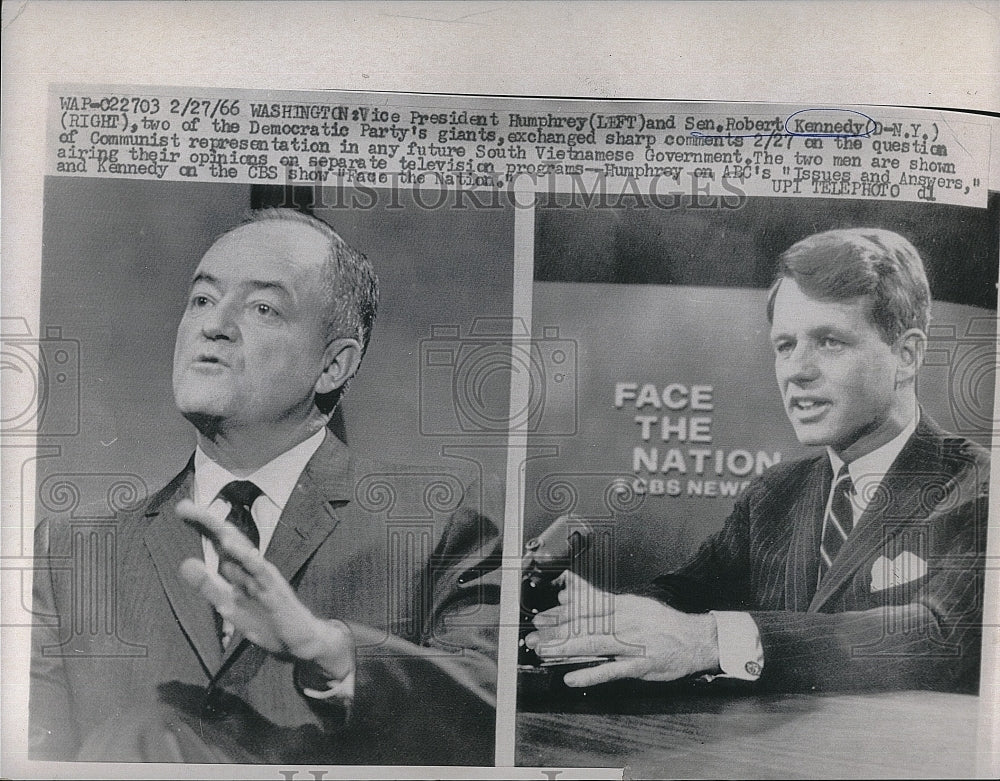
(861, 567)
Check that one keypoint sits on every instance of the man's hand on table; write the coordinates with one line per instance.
(647, 639)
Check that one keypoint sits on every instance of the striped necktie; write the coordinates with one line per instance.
(838, 522)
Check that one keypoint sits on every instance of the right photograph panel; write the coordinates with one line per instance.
(756, 504)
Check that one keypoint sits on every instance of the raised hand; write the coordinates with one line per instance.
(249, 592)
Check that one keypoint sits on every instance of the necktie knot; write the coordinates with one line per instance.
(241, 494)
(840, 500)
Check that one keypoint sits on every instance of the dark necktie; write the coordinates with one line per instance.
(241, 494)
(839, 521)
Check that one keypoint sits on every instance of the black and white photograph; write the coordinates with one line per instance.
(480, 389)
(763, 531)
(252, 546)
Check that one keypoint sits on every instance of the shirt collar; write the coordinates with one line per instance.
(878, 462)
(276, 479)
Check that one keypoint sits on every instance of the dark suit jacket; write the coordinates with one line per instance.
(398, 553)
(851, 632)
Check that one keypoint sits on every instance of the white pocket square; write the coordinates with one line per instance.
(905, 567)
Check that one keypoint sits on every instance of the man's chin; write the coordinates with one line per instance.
(207, 421)
(812, 436)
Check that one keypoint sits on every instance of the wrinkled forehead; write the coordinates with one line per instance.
(269, 249)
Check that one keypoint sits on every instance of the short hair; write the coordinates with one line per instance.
(350, 283)
(838, 265)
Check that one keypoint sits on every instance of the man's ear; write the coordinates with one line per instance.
(910, 349)
(341, 360)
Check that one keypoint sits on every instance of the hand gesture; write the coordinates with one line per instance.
(249, 592)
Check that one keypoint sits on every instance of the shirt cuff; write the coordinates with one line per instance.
(316, 685)
(741, 654)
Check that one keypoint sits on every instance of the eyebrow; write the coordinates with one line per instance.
(256, 284)
(203, 277)
(815, 331)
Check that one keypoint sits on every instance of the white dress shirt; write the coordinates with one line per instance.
(868, 471)
(741, 654)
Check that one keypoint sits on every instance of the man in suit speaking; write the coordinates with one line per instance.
(266, 607)
(861, 567)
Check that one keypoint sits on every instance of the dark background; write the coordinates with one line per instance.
(740, 247)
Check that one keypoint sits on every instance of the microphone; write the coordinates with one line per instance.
(546, 557)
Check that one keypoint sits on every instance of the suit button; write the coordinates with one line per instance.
(212, 707)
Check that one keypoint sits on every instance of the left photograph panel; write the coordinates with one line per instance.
(264, 534)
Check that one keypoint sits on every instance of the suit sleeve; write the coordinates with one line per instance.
(431, 695)
(718, 577)
(52, 730)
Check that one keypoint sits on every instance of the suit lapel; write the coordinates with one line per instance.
(169, 541)
(807, 516)
(309, 517)
(898, 502)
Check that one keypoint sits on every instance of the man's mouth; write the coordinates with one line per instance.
(209, 360)
(808, 406)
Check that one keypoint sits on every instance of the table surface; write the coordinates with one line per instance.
(731, 734)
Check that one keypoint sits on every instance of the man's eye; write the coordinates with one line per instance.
(781, 348)
(265, 310)
(199, 301)
(830, 343)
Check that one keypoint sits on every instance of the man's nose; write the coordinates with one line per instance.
(219, 322)
(800, 367)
